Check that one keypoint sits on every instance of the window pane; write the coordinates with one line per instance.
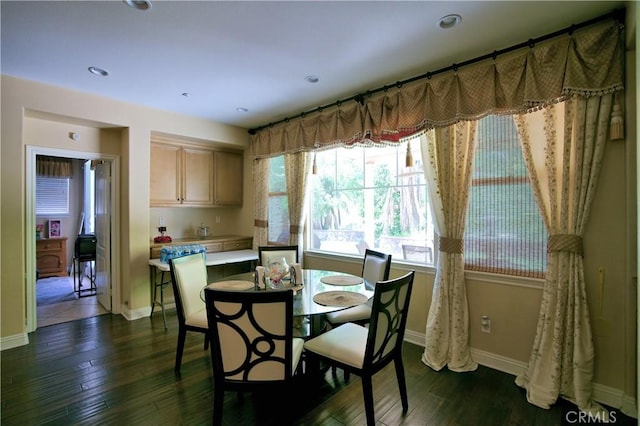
(277, 177)
(52, 195)
(350, 173)
(504, 232)
(376, 202)
(278, 219)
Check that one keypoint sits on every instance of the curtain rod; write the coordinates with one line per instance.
(617, 14)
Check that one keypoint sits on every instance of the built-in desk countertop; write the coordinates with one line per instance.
(213, 259)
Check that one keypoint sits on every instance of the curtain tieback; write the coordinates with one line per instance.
(295, 229)
(571, 243)
(451, 245)
(260, 223)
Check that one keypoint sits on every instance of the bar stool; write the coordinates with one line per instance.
(84, 252)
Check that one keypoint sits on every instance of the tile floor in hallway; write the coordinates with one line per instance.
(84, 307)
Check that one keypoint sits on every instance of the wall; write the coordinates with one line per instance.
(39, 115)
(610, 239)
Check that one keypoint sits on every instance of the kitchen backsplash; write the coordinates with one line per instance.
(184, 222)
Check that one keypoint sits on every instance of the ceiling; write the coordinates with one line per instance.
(256, 55)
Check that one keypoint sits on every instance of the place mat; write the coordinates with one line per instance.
(341, 280)
(232, 285)
(339, 298)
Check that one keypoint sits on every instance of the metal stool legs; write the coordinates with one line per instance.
(155, 302)
(79, 265)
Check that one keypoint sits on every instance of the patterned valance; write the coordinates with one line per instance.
(54, 166)
(586, 62)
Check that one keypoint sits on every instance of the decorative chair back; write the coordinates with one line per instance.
(251, 335)
(388, 319)
(290, 253)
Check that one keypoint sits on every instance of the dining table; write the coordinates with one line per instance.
(321, 292)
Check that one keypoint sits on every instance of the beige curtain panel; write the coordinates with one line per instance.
(587, 62)
(54, 167)
(260, 203)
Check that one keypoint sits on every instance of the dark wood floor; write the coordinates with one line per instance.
(107, 370)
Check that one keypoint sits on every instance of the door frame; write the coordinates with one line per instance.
(30, 223)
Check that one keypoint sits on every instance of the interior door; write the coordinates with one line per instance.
(103, 232)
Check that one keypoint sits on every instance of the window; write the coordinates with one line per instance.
(504, 232)
(278, 202)
(52, 195)
(367, 198)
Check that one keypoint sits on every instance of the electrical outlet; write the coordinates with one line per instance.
(217, 219)
(162, 222)
(485, 324)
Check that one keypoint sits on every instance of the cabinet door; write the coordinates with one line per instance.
(165, 185)
(228, 178)
(197, 185)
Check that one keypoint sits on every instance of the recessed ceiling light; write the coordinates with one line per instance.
(241, 109)
(98, 71)
(312, 79)
(138, 4)
(449, 21)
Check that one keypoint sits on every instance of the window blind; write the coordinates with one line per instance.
(505, 233)
(52, 195)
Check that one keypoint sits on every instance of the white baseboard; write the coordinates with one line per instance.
(413, 337)
(606, 395)
(145, 312)
(498, 362)
(134, 314)
(14, 341)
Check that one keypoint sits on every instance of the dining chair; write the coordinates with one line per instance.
(188, 277)
(252, 343)
(375, 267)
(290, 253)
(366, 350)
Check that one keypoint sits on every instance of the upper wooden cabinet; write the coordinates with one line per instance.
(228, 178)
(188, 174)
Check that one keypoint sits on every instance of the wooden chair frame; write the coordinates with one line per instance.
(183, 327)
(230, 313)
(390, 309)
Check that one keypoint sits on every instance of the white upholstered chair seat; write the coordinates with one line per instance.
(345, 344)
(353, 314)
(197, 319)
(298, 347)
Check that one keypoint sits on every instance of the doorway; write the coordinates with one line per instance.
(66, 190)
(102, 189)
